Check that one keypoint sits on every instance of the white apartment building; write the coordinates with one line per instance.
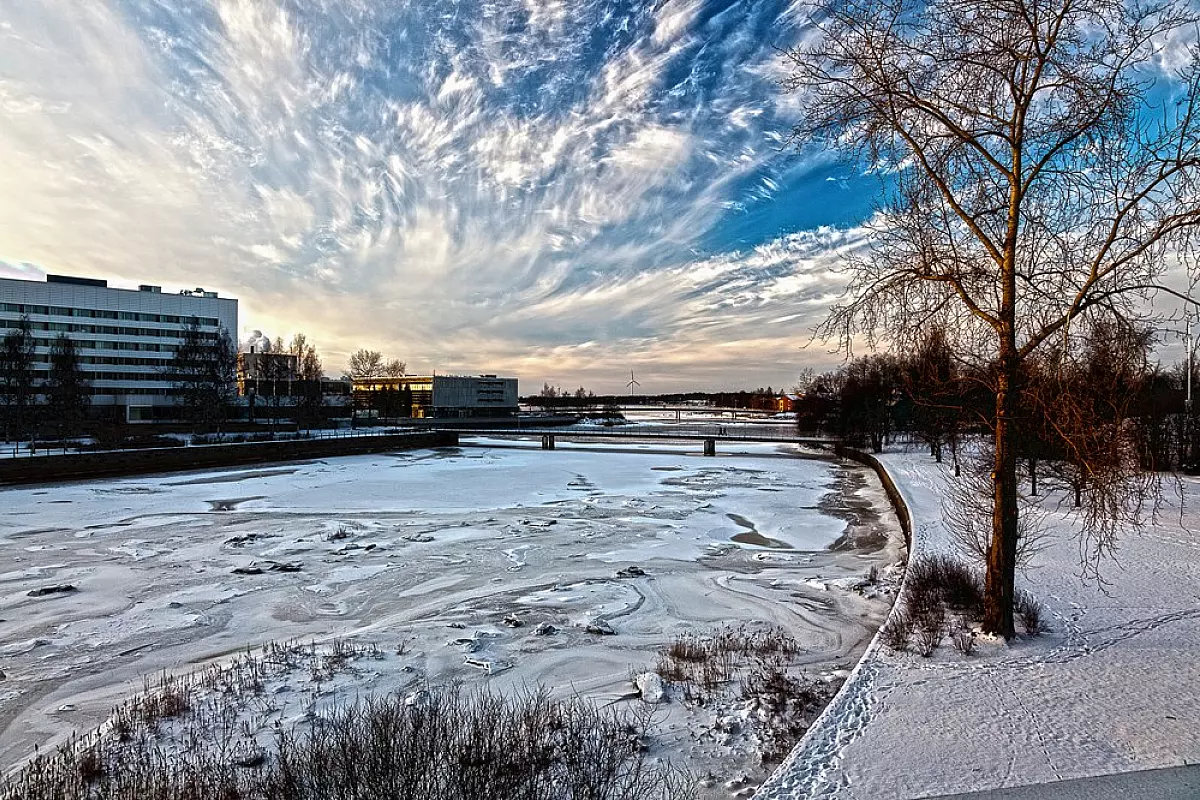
(126, 337)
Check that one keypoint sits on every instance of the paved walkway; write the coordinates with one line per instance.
(1171, 783)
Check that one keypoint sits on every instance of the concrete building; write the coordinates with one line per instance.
(438, 396)
(126, 337)
(258, 366)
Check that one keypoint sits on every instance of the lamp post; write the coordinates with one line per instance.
(1187, 338)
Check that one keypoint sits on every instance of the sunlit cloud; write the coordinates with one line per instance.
(529, 187)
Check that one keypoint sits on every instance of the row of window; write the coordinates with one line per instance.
(108, 330)
(93, 313)
(158, 376)
(111, 361)
(89, 344)
(140, 391)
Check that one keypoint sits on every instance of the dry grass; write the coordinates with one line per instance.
(189, 739)
(935, 586)
(752, 664)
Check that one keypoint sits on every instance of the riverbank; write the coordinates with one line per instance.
(450, 562)
(1108, 688)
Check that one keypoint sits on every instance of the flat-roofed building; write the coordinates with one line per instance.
(438, 396)
(126, 337)
(255, 365)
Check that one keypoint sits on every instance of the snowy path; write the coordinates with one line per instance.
(1113, 687)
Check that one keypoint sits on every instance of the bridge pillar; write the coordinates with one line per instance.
(547, 441)
(710, 447)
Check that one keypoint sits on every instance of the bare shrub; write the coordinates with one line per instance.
(713, 659)
(962, 587)
(1029, 612)
(942, 580)
(896, 630)
(962, 637)
(453, 745)
(930, 627)
(967, 514)
(754, 663)
(688, 647)
(91, 763)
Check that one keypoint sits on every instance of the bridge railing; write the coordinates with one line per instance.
(784, 432)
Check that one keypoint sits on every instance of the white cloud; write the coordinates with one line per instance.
(506, 186)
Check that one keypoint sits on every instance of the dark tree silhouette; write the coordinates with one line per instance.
(18, 391)
(936, 386)
(204, 370)
(67, 390)
(310, 405)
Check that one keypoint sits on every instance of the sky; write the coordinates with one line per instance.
(561, 190)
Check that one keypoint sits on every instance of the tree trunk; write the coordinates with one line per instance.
(1002, 551)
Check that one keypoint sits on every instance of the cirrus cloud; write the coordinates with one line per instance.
(560, 190)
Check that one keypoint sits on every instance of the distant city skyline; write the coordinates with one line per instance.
(562, 191)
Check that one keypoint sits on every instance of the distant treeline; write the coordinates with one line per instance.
(551, 397)
(927, 395)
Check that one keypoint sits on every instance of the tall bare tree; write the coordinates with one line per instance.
(309, 371)
(204, 370)
(67, 389)
(1033, 183)
(366, 364)
(18, 390)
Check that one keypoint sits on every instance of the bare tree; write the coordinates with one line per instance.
(366, 364)
(395, 368)
(1032, 186)
(966, 512)
(204, 370)
(18, 390)
(935, 386)
(309, 371)
(67, 389)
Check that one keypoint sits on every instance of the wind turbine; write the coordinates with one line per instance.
(633, 382)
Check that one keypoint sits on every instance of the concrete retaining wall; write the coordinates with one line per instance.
(82, 466)
(810, 770)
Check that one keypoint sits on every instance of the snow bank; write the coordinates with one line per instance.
(1112, 687)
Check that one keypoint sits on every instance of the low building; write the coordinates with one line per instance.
(259, 366)
(126, 337)
(437, 396)
(267, 374)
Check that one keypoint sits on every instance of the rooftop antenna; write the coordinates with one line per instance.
(633, 382)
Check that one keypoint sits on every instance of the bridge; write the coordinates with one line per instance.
(678, 410)
(708, 434)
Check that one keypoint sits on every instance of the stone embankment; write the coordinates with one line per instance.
(120, 463)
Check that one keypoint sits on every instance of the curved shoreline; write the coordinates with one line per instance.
(415, 568)
(804, 773)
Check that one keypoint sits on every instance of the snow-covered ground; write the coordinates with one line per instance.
(428, 552)
(1112, 687)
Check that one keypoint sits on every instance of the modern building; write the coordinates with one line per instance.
(126, 337)
(438, 396)
(255, 366)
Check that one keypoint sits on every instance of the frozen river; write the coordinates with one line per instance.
(420, 548)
